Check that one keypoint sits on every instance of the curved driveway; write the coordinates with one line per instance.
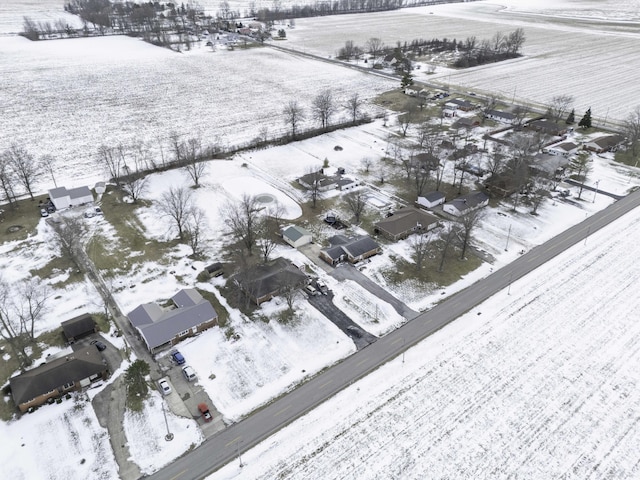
(225, 446)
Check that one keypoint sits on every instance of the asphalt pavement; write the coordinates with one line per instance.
(229, 443)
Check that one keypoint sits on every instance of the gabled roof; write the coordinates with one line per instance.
(58, 192)
(295, 233)
(565, 146)
(461, 103)
(405, 220)
(501, 114)
(71, 368)
(159, 326)
(264, 280)
(361, 245)
(471, 200)
(79, 192)
(433, 196)
(78, 325)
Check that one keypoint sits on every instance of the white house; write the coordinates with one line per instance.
(564, 149)
(63, 198)
(500, 116)
(296, 236)
(431, 200)
(466, 203)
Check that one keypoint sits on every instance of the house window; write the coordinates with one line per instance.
(182, 334)
(67, 386)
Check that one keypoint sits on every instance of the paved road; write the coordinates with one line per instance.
(324, 304)
(224, 447)
(347, 271)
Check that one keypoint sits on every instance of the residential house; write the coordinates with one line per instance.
(162, 328)
(607, 143)
(564, 149)
(431, 199)
(416, 91)
(296, 236)
(263, 282)
(215, 269)
(458, 104)
(467, 122)
(345, 183)
(352, 250)
(79, 327)
(548, 165)
(405, 222)
(72, 372)
(324, 182)
(466, 203)
(500, 116)
(548, 127)
(63, 198)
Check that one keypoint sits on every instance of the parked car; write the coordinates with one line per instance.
(189, 373)
(98, 211)
(322, 287)
(165, 388)
(44, 212)
(310, 290)
(177, 357)
(99, 345)
(204, 410)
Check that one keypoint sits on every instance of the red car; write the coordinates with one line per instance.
(204, 410)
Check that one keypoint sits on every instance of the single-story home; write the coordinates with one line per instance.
(79, 327)
(548, 127)
(63, 198)
(466, 203)
(346, 183)
(405, 222)
(549, 165)
(352, 250)
(57, 377)
(162, 328)
(458, 104)
(564, 149)
(467, 122)
(607, 143)
(324, 182)
(297, 236)
(500, 116)
(263, 282)
(431, 199)
(416, 91)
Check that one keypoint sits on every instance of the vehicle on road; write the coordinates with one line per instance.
(165, 388)
(189, 373)
(204, 411)
(355, 332)
(310, 290)
(99, 345)
(177, 357)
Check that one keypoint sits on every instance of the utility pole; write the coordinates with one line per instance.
(508, 237)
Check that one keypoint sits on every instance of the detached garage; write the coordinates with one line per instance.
(296, 236)
(63, 198)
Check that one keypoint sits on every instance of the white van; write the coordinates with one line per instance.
(310, 289)
(189, 373)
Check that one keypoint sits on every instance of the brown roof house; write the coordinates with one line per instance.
(466, 203)
(263, 282)
(405, 222)
(352, 250)
(548, 127)
(57, 377)
(79, 327)
(607, 143)
(162, 328)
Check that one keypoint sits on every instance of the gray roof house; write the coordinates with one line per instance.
(263, 282)
(500, 116)
(405, 222)
(466, 203)
(162, 328)
(431, 199)
(352, 250)
(55, 378)
(63, 198)
(78, 327)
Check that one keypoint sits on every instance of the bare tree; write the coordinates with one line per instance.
(366, 163)
(266, 237)
(111, 160)
(420, 248)
(496, 160)
(243, 218)
(134, 185)
(12, 329)
(421, 175)
(452, 230)
(375, 47)
(194, 230)
(354, 104)
(294, 115)
(177, 204)
(289, 292)
(469, 221)
(632, 130)
(192, 160)
(7, 180)
(47, 162)
(32, 295)
(580, 168)
(24, 166)
(356, 202)
(315, 191)
(323, 108)
(559, 106)
(68, 237)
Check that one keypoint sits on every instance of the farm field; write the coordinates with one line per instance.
(555, 50)
(538, 382)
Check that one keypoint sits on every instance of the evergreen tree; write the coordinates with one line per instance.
(571, 119)
(407, 80)
(586, 120)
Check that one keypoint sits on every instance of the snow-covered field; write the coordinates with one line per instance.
(542, 383)
(560, 36)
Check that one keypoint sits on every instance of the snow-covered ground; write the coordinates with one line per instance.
(539, 383)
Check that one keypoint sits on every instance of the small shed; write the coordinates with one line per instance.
(214, 270)
(79, 327)
(296, 236)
